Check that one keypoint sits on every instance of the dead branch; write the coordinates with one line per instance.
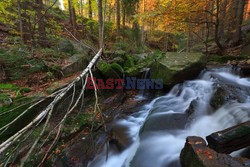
(57, 97)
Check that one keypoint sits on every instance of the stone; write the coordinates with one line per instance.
(248, 61)
(112, 71)
(175, 67)
(196, 154)
(66, 46)
(5, 100)
(76, 63)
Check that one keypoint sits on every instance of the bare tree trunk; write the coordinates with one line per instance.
(41, 25)
(143, 25)
(72, 16)
(217, 24)
(20, 22)
(123, 16)
(239, 20)
(118, 16)
(25, 30)
(90, 10)
(222, 17)
(81, 7)
(100, 21)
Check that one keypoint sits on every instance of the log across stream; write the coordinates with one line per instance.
(216, 100)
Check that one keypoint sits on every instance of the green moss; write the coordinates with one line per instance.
(19, 63)
(117, 68)
(225, 59)
(168, 66)
(107, 70)
(8, 87)
(130, 62)
(18, 106)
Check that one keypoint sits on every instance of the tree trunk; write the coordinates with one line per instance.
(42, 40)
(143, 25)
(222, 16)
(232, 20)
(72, 15)
(118, 16)
(123, 16)
(81, 7)
(90, 9)
(25, 31)
(217, 24)
(100, 21)
(20, 22)
(239, 20)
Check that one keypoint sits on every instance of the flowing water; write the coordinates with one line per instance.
(158, 132)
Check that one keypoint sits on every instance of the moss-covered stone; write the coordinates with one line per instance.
(130, 62)
(110, 70)
(76, 63)
(177, 67)
(66, 46)
(5, 100)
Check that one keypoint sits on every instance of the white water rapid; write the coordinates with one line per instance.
(158, 132)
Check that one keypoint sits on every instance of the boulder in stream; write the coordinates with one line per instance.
(177, 67)
(197, 154)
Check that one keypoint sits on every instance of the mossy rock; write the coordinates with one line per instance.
(130, 62)
(5, 100)
(66, 46)
(113, 70)
(177, 67)
(77, 63)
(219, 98)
(118, 60)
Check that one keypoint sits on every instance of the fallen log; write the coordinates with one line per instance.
(231, 139)
(57, 96)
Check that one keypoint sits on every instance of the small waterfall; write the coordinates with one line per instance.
(141, 94)
(158, 132)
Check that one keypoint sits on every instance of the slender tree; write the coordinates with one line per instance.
(41, 24)
(100, 21)
(90, 9)
(72, 15)
(118, 16)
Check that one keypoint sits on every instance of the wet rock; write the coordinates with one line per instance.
(218, 98)
(177, 67)
(119, 134)
(231, 139)
(197, 154)
(165, 121)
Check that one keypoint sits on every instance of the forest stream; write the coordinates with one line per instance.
(219, 98)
